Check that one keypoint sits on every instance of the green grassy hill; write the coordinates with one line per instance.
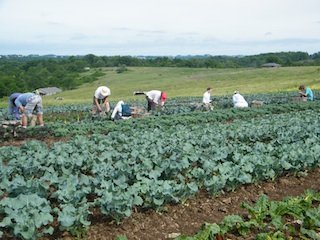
(193, 82)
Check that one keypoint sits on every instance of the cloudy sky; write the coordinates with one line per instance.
(158, 27)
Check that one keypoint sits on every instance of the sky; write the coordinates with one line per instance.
(158, 27)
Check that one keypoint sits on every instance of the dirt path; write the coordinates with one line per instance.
(187, 218)
(47, 140)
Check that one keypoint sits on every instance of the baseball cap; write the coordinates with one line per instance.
(163, 96)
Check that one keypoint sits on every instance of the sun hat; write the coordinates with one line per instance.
(105, 91)
(163, 96)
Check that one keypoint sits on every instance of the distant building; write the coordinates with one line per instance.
(49, 90)
(271, 65)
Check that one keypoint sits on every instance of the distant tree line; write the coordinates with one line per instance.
(23, 75)
(26, 73)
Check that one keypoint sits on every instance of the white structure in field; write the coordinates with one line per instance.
(49, 91)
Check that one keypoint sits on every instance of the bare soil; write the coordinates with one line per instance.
(187, 218)
(47, 140)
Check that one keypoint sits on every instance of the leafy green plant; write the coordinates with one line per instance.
(270, 220)
(29, 216)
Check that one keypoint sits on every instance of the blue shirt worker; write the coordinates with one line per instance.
(121, 111)
(306, 92)
(29, 104)
(13, 110)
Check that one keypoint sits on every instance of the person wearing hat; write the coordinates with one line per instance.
(13, 110)
(155, 98)
(100, 97)
(238, 100)
(29, 104)
(306, 93)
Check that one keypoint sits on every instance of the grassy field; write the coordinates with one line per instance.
(192, 82)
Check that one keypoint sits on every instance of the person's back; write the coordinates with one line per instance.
(154, 95)
(13, 110)
(309, 94)
(22, 99)
(238, 100)
(206, 96)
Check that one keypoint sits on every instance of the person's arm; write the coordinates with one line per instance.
(97, 104)
(309, 93)
(10, 107)
(19, 105)
(302, 94)
(107, 105)
(21, 108)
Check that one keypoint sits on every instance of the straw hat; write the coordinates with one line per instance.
(105, 91)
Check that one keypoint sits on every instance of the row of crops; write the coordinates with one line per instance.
(71, 123)
(173, 105)
(146, 163)
(291, 218)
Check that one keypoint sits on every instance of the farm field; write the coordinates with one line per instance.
(188, 218)
(170, 172)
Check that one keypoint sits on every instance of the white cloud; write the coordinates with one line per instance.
(176, 26)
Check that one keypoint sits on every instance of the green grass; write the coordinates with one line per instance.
(193, 82)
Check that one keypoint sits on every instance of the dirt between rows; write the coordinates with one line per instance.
(47, 140)
(187, 218)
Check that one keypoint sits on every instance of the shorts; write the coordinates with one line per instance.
(151, 104)
(34, 106)
(94, 106)
(100, 101)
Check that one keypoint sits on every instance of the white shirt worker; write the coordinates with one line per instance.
(154, 95)
(117, 109)
(239, 101)
(206, 97)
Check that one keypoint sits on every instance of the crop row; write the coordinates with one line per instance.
(88, 126)
(146, 168)
(173, 105)
(291, 218)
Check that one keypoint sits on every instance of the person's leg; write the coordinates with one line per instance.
(38, 110)
(24, 120)
(148, 104)
(94, 107)
(33, 120)
(117, 117)
(106, 105)
(40, 119)
(151, 104)
(28, 111)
